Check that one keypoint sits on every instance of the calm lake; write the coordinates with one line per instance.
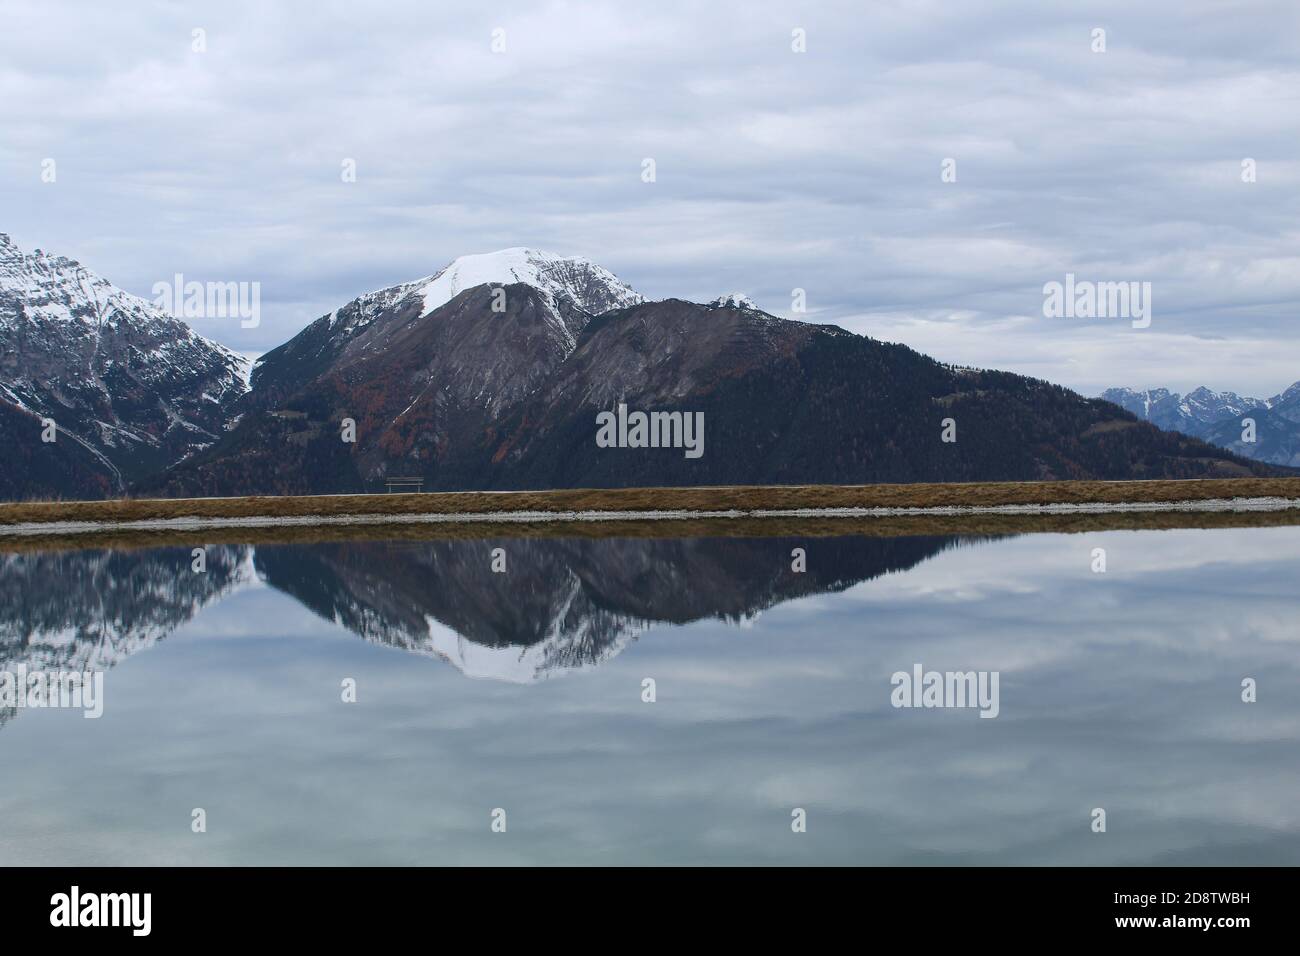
(519, 696)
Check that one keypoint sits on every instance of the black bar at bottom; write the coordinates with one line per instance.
(334, 905)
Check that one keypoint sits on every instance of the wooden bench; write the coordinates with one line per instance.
(404, 485)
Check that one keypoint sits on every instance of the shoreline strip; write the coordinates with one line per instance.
(188, 523)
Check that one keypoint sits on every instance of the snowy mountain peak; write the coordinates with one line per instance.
(1186, 413)
(733, 300)
(1290, 396)
(132, 384)
(1217, 417)
(590, 287)
(39, 287)
(572, 280)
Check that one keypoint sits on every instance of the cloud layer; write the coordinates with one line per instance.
(775, 170)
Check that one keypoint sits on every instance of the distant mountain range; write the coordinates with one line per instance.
(1217, 418)
(491, 374)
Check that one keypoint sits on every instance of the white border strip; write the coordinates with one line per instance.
(539, 517)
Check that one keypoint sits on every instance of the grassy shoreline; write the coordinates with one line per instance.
(966, 525)
(745, 499)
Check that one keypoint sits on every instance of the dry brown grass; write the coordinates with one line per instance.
(671, 499)
(892, 527)
(741, 498)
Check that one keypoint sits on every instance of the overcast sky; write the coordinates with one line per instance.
(775, 170)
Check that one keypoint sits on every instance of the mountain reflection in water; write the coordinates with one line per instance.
(561, 604)
(1120, 690)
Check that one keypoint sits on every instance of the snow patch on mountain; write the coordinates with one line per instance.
(40, 288)
(560, 653)
(592, 288)
(117, 373)
(733, 300)
(573, 280)
(1187, 413)
(1217, 417)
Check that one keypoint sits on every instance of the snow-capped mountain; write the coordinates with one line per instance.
(573, 290)
(1217, 417)
(136, 388)
(590, 287)
(1286, 402)
(733, 300)
(499, 387)
(422, 367)
(1185, 413)
(1205, 405)
(564, 294)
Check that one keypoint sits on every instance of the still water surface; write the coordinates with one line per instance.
(523, 691)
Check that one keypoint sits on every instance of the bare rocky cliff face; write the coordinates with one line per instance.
(135, 388)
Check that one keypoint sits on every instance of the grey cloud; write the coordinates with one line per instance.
(775, 170)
